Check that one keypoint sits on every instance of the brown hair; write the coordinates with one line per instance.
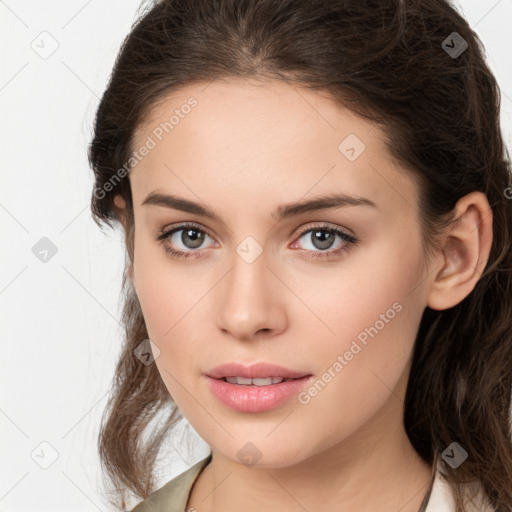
(388, 61)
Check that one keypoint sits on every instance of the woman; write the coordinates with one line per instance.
(315, 201)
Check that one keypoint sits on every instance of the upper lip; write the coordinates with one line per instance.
(254, 371)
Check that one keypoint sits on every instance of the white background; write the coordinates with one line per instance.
(59, 324)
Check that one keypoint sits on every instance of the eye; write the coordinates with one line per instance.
(188, 236)
(323, 238)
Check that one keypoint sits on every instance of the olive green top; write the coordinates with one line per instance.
(173, 496)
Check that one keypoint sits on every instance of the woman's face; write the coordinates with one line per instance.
(268, 283)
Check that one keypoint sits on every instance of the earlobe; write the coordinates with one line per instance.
(120, 209)
(131, 275)
(465, 252)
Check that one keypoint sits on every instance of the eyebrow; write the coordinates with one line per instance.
(323, 202)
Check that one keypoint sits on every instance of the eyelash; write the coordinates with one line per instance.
(348, 240)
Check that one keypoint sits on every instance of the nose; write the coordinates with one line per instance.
(249, 300)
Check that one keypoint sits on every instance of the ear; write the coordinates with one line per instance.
(465, 252)
(120, 209)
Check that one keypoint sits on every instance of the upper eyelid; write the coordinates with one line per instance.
(179, 227)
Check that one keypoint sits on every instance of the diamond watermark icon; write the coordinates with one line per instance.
(249, 454)
(454, 45)
(45, 45)
(351, 147)
(454, 455)
(147, 352)
(44, 250)
(249, 249)
(44, 455)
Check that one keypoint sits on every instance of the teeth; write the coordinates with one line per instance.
(256, 382)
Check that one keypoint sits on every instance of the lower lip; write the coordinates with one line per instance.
(256, 398)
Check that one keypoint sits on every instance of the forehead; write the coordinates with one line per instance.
(275, 110)
(264, 138)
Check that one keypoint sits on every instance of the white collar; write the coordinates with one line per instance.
(443, 500)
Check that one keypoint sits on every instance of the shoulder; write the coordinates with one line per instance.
(442, 497)
(173, 496)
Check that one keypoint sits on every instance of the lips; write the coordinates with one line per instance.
(254, 371)
(254, 398)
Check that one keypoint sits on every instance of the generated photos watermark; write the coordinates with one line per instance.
(137, 156)
(344, 359)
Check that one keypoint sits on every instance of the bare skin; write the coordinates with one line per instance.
(243, 151)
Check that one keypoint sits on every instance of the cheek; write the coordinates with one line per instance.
(168, 297)
(351, 294)
(173, 298)
(374, 307)
(166, 290)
